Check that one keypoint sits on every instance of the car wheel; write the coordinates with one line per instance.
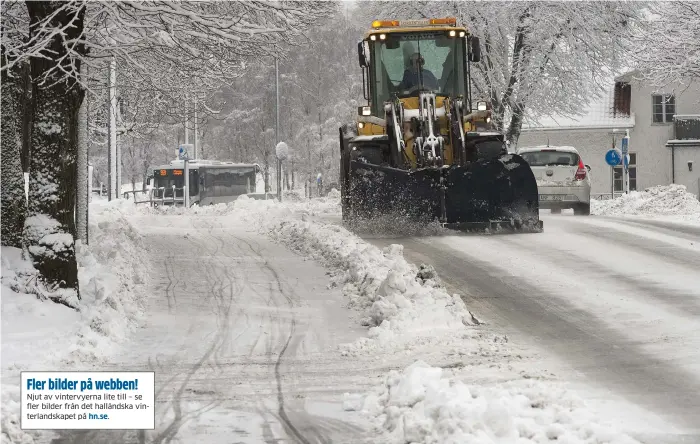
(556, 210)
(583, 210)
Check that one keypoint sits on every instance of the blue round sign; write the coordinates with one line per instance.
(613, 157)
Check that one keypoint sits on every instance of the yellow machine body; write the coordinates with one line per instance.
(420, 149)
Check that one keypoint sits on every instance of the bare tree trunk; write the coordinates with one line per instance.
(49, 230)
(13, 198)
(516, 124)
(286, 176)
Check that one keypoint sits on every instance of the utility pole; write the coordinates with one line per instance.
(277, 128)
(195, 128)
(112, 147)
(187, 129)
(625, 162)
(119, 165)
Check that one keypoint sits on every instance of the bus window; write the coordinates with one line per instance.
(233, 181)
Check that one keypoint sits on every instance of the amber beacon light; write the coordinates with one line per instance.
(449, 21)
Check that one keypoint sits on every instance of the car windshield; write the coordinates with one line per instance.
(547, 158)
(405, 63)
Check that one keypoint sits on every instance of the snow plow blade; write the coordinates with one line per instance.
(487, 194)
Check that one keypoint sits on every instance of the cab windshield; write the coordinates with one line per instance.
(406, 64)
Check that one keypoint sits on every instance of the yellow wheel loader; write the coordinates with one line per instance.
(419, 151)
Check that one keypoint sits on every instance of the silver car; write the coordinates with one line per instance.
(562, 178)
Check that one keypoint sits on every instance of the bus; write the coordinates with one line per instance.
(211, 182)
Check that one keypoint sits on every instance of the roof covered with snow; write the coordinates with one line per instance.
(598, 114)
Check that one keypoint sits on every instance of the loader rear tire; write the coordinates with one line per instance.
(583, 210)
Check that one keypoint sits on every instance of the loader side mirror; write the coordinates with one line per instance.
(474, 50)
(361, 53)
(588, 167)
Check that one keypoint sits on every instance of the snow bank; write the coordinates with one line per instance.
(42, 335)
(659, 200)
(421, 405)
(401, 301)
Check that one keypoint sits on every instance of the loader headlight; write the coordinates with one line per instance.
(488, 120)
(481, 106)
(461, 33)
(453, 33)
(360, 125)
(382, 36)
(364, 110)
(373, 37)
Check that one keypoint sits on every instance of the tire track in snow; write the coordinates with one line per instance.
(669, 228)
(282, 414)
(224, 305)
(682, 257)
(682, 303)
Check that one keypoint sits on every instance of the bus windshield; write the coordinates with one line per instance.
(405, 64)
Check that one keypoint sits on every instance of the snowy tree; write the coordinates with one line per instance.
(538, 58)
(666, 46)
(50, 226)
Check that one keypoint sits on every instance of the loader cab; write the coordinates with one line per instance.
(389, 53)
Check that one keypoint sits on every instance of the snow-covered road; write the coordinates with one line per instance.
(241, 335)
(615, 301)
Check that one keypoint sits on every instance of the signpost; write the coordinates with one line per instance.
(626, 160)
(613, 158)
(281, 151)
(182, 155)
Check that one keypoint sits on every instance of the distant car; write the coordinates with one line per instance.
(563, 179)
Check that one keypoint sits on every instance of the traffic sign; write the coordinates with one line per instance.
(613, 157)
(182, 152)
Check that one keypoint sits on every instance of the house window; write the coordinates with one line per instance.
(633, 174)
(622, 99)
(663, 108)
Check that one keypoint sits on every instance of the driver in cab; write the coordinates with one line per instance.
(415, 69)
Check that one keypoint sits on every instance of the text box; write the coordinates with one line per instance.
(87, 400)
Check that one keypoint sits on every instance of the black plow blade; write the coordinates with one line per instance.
(495, 194)
(499, 195)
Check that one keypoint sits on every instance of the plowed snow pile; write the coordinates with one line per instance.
(421, 405)
(656, 201)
